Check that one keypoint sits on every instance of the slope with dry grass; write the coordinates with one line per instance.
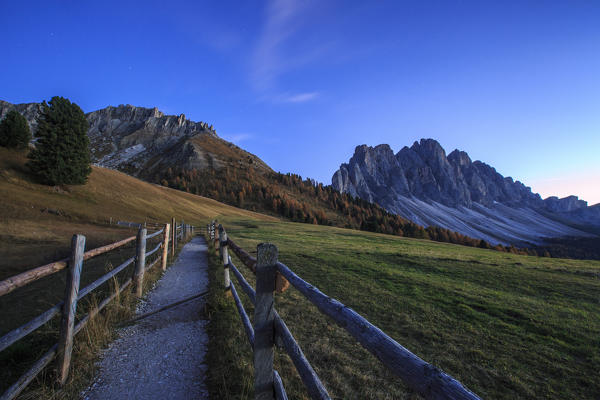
(39, 222)
(44, 218)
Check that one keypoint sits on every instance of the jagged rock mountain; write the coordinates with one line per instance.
(143, 141)
(424, 185)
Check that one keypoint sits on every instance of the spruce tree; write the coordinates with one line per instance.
(14, 131)
(61, 155)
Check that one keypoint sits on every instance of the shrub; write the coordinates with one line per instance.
(14, 131)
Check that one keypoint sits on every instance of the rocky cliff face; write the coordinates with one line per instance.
(423, 184)
(425, 172)
(142, 141)
(29, 110)
(127, 136)
(566, 204)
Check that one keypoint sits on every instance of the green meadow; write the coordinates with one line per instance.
(507, 326)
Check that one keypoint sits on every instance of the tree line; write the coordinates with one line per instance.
(304, 200)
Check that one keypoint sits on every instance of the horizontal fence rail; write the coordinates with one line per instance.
(22, 331)
(17, 281)
(155, 234)
(67, 308)
(154, 250)
(284, 339)
(424, 378)
(274, 385)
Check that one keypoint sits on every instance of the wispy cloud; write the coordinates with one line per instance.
(298, 97)
(237, 137)
(283, 19)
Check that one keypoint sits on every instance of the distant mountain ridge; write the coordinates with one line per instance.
(144, 141)
(424, 185)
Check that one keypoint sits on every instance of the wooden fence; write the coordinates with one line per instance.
(268, 328)
(74, 264)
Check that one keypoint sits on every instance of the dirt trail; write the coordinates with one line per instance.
(162, 356)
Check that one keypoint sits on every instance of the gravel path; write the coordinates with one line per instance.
(161, 356)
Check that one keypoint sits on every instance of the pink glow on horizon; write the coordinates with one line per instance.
(586, 186)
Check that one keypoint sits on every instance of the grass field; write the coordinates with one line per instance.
(506, 326)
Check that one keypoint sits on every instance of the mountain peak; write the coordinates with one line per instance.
(428, 145)
(384, 147)
(459, 157)
(422, 184)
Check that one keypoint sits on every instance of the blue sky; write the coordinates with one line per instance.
(516, 84)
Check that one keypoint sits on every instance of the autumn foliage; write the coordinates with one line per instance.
(303, 200)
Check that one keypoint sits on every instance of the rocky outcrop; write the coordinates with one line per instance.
(128, 136)
(29, 110)
(566, 204)
(423, 184)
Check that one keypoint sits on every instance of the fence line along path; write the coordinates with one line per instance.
(74, 266)
(268, 329)
(162, 355)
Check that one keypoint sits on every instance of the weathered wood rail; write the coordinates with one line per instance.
(62, 350)
(268, 328)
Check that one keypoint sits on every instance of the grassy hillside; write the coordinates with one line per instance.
(38, 222)
(507, 326)
(46, 217)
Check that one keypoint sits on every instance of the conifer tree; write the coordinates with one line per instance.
(14, 131)
(62, 152)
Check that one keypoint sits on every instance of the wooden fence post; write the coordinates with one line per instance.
(266, 267)
(140, 262)
(174, 239)
(165, 251)
(65, 341)
(224, 256)
(216, 241)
